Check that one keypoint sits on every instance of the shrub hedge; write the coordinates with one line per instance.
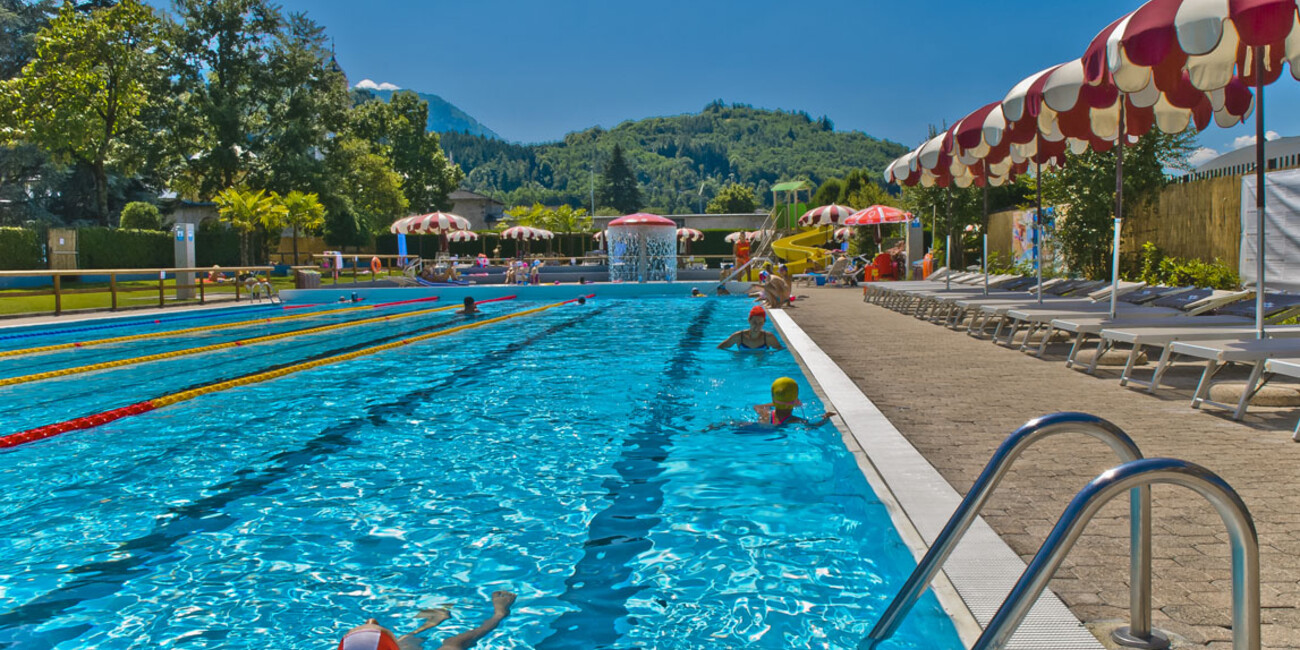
(21, 250)
(105, 248)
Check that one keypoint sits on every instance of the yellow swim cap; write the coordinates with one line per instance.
(785, 392)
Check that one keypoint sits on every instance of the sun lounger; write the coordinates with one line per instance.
(981, 310)
(1278, 306)
(903, 296)
(1219, 354)
(1085, 298)
(1161, 303)
(1287, 367)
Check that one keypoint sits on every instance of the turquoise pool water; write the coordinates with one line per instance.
(566, 456)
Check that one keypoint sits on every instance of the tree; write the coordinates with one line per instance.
(20, 20)
(222, 50)
(398, 130)
(307, 102)
(1086, 186)
(829, 192)
(29, 183)
(618, 187)
(139, 215)
(568, 220)
(83, 96)
(366, 185)
(732, 199)
(302, 212)
(246, 212)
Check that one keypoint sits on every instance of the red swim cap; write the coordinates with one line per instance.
(368, 637)
(758, 311)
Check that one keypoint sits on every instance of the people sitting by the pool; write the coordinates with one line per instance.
(373, 636)
(535, 273)
(470, 309)
(215, 275)
(754, 339)
(771, 290)
(780, 411)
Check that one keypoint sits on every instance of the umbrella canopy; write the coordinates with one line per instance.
(643, 219)
(462, 235)
(689, 234)
(877, 214)
(434, 223)
(843, 234)
(735, 237)
(599, 234)
(526, 233)
(825, 215)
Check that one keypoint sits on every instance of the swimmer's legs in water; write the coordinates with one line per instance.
(501, 602)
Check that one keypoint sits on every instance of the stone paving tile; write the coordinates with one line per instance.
(956, 397)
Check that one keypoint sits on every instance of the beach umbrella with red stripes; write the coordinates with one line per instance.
(825, 215)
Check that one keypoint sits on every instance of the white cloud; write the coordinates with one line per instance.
(1202, 156)
(369, 84)
(1249, 140)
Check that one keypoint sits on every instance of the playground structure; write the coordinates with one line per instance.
(800, 251)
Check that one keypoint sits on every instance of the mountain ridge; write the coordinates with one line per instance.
(444, 116)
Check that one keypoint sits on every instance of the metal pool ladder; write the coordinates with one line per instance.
(1136, 475)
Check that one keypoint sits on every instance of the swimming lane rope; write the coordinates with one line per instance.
(51, 430)
(118, 363)
(205, 328)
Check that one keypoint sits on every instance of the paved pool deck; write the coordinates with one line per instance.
(955, 398)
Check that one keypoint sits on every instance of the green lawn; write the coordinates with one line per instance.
(130, 295)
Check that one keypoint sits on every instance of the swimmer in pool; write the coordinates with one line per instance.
(373, 636)
(754, 339)
(780, 411)
(470, 308)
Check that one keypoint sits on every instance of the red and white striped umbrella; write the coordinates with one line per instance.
(843, 234)
(735, 237)
(876, 215)
(754, 235)
(689, 234)
(526, 233)
(824, 215)
(434, 223)
(599, 234)
(462, 235)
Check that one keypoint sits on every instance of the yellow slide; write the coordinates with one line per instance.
(800, 249)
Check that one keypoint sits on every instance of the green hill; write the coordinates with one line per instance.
(672, 156)
(443, 115)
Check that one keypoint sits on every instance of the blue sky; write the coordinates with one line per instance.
(533, 71)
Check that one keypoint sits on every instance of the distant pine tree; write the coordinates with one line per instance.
(618, 188)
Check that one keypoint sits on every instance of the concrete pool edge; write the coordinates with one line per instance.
(982, 569)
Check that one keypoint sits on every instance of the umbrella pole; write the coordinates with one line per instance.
(984, 261)
(1119, 207)
(1038, 224)
(1259, 192)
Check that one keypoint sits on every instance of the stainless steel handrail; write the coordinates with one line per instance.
(1139, 632)
(1080, 511)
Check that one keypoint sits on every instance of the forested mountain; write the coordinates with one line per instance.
(443, 115)
(673, 157)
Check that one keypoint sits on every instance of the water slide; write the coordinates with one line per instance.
(800, 249)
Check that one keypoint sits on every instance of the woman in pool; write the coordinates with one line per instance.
(754, 339)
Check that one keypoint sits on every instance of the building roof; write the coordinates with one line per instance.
(466, 195)
(1245, 156)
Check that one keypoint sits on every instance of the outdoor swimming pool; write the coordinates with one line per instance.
(564, 455)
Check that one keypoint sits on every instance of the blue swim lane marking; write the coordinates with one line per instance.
(600, 585)
(135, 557)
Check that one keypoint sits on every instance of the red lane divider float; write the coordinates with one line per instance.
(104, 417)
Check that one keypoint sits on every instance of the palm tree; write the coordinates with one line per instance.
(568, 220)
(245, 211)
(302, 211)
